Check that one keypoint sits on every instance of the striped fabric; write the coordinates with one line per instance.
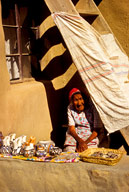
(103, 68)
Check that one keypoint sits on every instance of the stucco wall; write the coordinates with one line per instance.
(35, 108)
(4, 76)
(116, 13)
(23, 106)
(26, 111)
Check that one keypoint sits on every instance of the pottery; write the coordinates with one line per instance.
(6, 150)
(18, 145)
(45, 145)
(55, 151)
(29, 151)
(41, 153)
(6, 141)
(12, 136)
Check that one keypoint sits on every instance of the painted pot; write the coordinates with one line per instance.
(29, 151)
(55, 151)
(45, 146)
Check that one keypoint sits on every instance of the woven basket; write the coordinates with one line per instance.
(86, 156)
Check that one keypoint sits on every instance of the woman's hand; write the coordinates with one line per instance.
(93, 136)
(82, 146)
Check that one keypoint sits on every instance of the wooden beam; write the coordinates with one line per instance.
(61, 5)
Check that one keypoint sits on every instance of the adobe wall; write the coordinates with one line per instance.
(38, 107)
(116, 13)
(23, 106)
(26, 111)
(4, 76)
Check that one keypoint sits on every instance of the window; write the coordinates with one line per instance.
(21, 33)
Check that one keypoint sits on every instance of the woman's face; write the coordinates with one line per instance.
(78, 102)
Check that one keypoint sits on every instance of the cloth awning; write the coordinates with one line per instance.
(102, 66)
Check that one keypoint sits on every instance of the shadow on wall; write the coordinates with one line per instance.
(117, 140)
(36, 13)
(75, 2)
(57, 66)
(97, 2)
(58, 102)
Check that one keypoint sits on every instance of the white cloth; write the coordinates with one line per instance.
(99, 68)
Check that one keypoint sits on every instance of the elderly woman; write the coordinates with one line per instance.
(81, 133)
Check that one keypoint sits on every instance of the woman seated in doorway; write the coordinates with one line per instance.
(81, 133)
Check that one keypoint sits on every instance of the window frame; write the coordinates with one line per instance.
(19, 53)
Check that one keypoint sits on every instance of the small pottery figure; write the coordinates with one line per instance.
(6, 149)
(12, 138)
(6, 141)
(29, 148)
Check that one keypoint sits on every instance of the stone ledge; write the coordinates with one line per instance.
(19, 175)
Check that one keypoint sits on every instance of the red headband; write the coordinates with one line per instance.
(72, 92)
